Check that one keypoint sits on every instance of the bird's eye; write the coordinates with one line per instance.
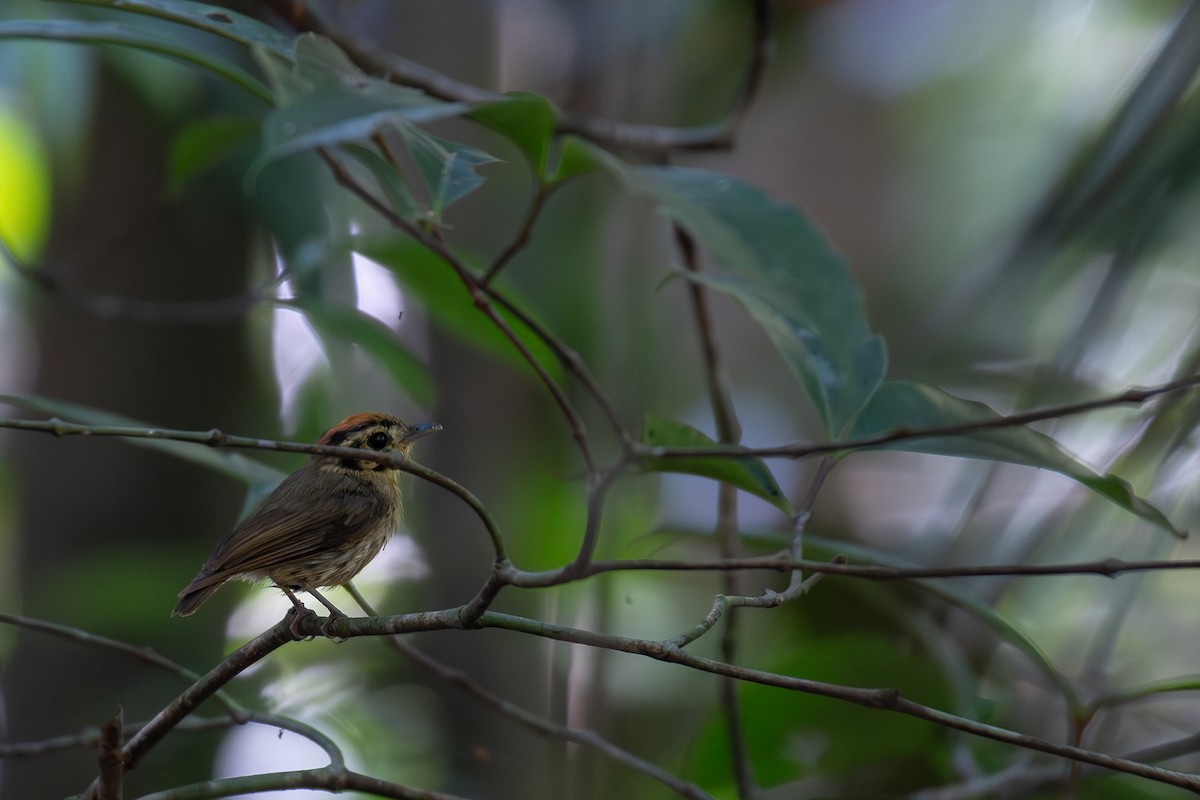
(378, 441)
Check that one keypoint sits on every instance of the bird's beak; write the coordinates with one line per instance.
(421, 429)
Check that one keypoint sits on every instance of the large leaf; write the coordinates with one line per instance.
(904, 405)
(205, 17)
(202, 145)
(377, 340)
(782, 270)
(448, 302)
(236, 465)
(325, 100)
(747, 473)
(576, 156)
(526, 120)
(164, 41)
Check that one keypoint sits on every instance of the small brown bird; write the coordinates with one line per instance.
(322, 524)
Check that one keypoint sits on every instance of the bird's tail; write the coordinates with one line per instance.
(191, 598)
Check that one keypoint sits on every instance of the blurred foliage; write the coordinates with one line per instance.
(543, 282)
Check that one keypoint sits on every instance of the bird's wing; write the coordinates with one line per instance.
(289, 527)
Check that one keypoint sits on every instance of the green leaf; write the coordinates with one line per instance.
(578, 156)
(390, 181)
(325, 100)
(904, 405)
(449, 303)
(330, 116)
(747, 473)
(232, 464)
(377, 340)
(204, 144)
(781, 269)
(163, 41)
(526, 120)
(448, 168)
(212, 19)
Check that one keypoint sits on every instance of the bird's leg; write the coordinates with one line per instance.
(334, 611)
(300, 612)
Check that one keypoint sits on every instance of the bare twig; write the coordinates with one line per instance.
(1133, 396)
(146, 654)
(729, 431)
(646, 138)
(882, 699)
(479, 297)
(90, 737)
(111, 758)
(535, 722)
(541, 193)
(331, 779)
(183, 705)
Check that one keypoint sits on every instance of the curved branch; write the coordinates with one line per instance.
(146, 654)
(535, 722)
(329, 778)
(882, 699)
(1137, 395)
(647, 138)
(187, 702)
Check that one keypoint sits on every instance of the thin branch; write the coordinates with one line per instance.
(541, 193)
(1108, 568)
(729, 431)
(648, 138)
(149, 312)
(187, 702)
(589, 738)
(146, 654)
(1134, 396)
(478, 294)
(90, 737)
(570, 358)
(882, 699)
(668, 652)
(331, 779)
(112, 768)
(217, 438)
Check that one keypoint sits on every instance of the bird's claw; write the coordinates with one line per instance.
(299, 614)
(329, 622)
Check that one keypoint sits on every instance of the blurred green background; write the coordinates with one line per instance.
(1013, 188)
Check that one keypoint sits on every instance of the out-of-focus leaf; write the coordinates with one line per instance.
(449, 303)
(448, 168)
(792, 734)
(577, 156)
(782, 270)
(377, 340)
(526, 120)
(24, 189)
(330, 116)
(203, 16)
(387, 176)
(164, 41)
(747, 473)
(204, 144)
(228, 462)
(954, 592)
(904, 405)
(325, 100)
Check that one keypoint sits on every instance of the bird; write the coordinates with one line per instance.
(322, 524)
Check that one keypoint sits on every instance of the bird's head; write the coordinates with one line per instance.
(375, 432)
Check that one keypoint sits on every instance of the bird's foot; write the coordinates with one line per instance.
(334, 620)
(299, 614)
